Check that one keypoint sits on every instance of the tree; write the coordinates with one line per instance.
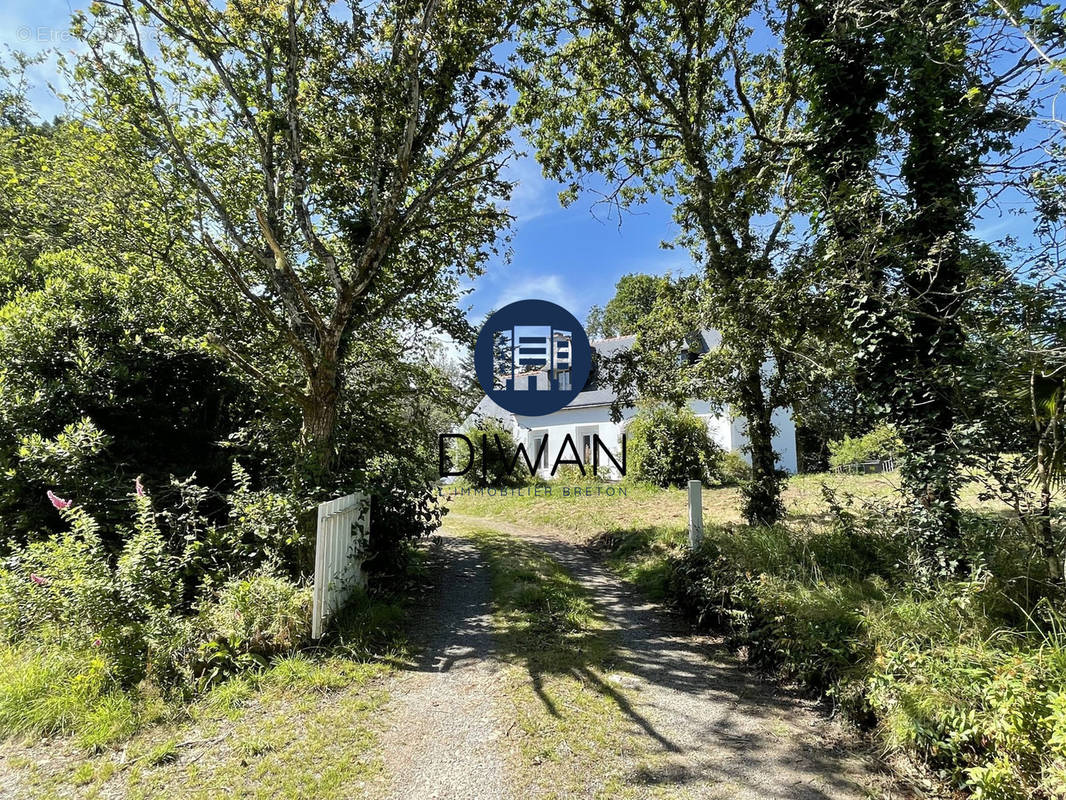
(634, 295)
(319, 174)
(98, 385)
(668, 98)
(922, 86)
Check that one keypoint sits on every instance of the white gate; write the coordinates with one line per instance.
(343, 530)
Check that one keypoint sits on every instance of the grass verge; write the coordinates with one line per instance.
(301, 727)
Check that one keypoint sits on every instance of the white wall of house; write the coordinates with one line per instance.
(584, 421)
(577, 423)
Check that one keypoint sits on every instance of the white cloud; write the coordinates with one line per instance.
(533, 195)
(551, 287)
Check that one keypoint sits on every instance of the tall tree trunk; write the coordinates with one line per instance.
(762, 497)
(316, 460)
(1045, 532)
(938, 162)
(318, 434)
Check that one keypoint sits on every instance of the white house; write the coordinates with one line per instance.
(589, 414)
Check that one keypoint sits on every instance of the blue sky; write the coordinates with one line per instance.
(565, 255)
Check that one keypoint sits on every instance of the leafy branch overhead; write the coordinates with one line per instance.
(322, 172)
(679, 100)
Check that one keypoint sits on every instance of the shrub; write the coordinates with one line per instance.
(880, 443)
(571, 474)
(494, 447)
(265, 613)
(735, 471)
(87, 358)
(989, 714)
(669, 447)
(61, 588)
(253, 620)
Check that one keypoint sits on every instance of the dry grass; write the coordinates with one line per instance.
(643, 506)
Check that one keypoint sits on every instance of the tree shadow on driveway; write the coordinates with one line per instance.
(709, 728)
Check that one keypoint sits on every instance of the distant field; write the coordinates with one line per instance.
(649, 506)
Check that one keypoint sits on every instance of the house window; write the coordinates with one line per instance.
(586, 443)
(542, 462)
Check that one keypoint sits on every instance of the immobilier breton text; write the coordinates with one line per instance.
(536, 491)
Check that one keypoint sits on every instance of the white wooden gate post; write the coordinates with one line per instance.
(695, 514)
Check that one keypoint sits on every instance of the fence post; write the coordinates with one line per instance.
(695, 514)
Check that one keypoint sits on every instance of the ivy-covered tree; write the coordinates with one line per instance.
(909, 104)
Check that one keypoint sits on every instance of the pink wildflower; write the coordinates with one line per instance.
(96, 642)
(38, 579)
(57, 501)
(138, 487)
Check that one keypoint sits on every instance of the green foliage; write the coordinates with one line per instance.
(880, 443)
(253, 620)
(697, 142)
(735, 471)
(266, 613)
(988, 713)
(634, 294)
(669, 447)
(493, 450)
(145, 572)
(62, 593)
(309, 261)
(62, 588)
(85, 362)
(572, 474)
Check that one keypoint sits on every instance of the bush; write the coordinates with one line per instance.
(265, 613)
(669, 447)
(493, 446)
(100, 381)
(571, 474)
(62, 594)
(735, 471)
(880, 443)
(989, 714)
(253, 620)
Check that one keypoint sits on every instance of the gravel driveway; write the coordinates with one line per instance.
(719, 732)
(443, 731)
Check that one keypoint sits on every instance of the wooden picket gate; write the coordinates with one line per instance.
(340, 544)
